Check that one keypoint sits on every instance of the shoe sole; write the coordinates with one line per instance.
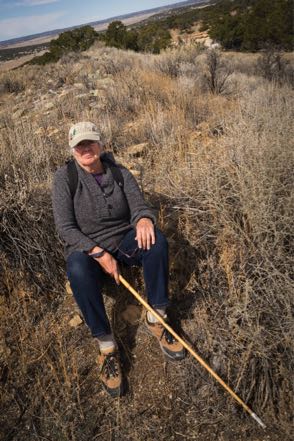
(179, 357)
(114, 393)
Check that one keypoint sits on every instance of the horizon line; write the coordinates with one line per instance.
(39, 34)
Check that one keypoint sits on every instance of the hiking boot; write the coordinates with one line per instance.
(110, 372)
(172, 348)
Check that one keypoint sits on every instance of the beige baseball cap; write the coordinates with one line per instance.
(82, 131)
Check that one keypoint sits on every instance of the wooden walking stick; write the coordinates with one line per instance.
(192, 352)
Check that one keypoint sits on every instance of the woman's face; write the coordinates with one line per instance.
(87, 152)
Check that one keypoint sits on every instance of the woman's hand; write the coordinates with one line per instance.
(108, 263)
(145, 235)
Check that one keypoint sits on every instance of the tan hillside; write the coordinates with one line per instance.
(209, 139)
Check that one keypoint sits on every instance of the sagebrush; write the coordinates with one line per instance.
(219, 169)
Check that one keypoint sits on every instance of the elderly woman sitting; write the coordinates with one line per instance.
(103, 219)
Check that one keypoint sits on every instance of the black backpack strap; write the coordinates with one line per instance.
(115, 170)
(72, 176)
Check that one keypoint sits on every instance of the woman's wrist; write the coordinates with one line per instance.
(96, 252)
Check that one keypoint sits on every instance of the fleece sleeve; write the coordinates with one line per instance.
(64, 216)
(137, 204)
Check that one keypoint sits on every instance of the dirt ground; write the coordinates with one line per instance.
(153, 399)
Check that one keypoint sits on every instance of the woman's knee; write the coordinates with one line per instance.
(79, 265)
(161, 244)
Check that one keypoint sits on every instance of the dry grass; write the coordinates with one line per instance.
(220, 171)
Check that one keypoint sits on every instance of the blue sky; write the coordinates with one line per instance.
(24, 17)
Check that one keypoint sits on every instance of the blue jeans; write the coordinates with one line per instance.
(86, 278)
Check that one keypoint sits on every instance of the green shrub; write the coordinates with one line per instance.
(116, 35)
(150, 38)
(251, 25)
(48, 57)
(153, 38)
(76, 40)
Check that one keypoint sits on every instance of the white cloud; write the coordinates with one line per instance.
(33, 24)
(35, 2)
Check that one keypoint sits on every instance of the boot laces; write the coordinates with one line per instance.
(168, 336)
(110, 366)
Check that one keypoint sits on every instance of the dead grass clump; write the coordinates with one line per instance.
(113, 61)
(44, 398)
(25, 204)
(172, 62)
(243, 63)
(273, 66)
(10, 85)
(25, 78)
(217, 72)
(238, 208)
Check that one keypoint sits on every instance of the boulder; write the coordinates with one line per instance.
(137, 150)
(68, 289)
(18, 113)
(95, 92)
(79, 86)
(75, 321)
(48, 106)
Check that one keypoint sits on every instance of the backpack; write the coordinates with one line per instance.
(73, 174)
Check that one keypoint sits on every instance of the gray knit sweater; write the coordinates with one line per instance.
(96, 215)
